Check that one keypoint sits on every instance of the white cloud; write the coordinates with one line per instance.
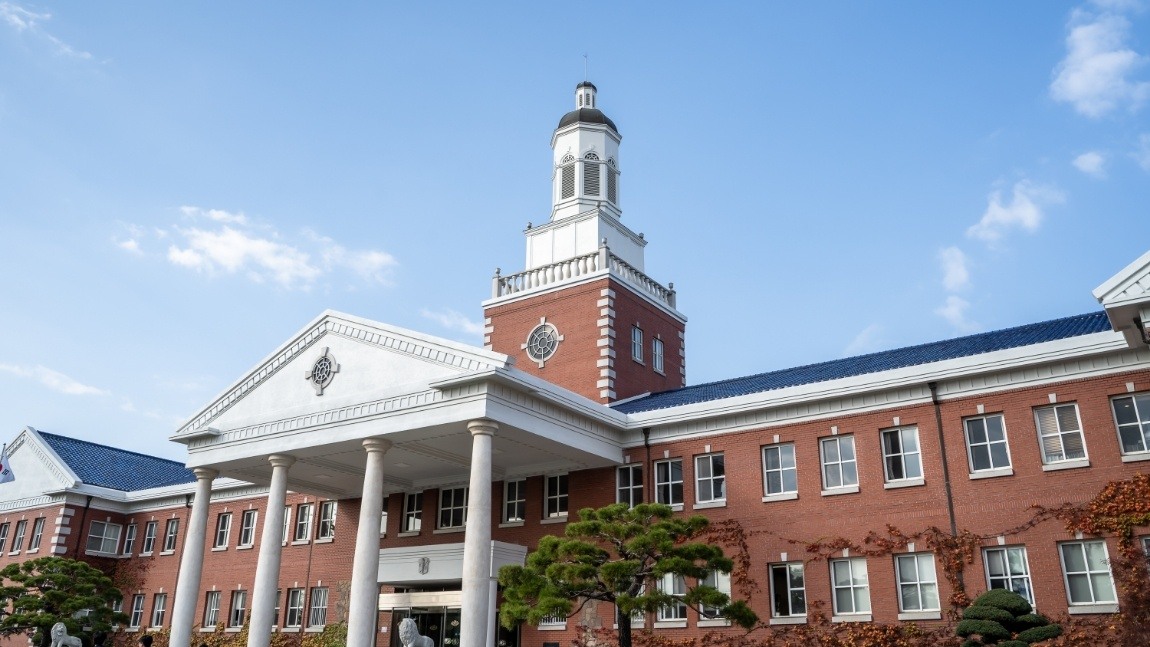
(868, 340)
(1091, 163)
(370, 265)
(215, 215)
(1094, 76)
(1024, 211)
(954, 312)
(1142, 153)
(24, 20)
(955, 274)
(130, 245)
(453, 320)
(231, 250)
(53, 380)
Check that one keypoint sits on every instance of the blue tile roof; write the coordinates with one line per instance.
(117, 469)
(873, 363)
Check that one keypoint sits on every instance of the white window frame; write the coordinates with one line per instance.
(325, 525)
(1009, 569)
(721, 582)
(657, 355)
(108, 537)
(237, 613)
(838, 466)
(917, 580)
(248, 522)
(711, 479)
(4, 535)
(1102, 595)
(857, 585)
(1057, 436)
(317, 608)
(412, 512)
(150, 530)
(637, 343)
(452, 508)
(784, 465)
(287, 524)
(295, 606)
(556, 490)
(129, 539)
(223, 531)
(159, 609)
(21, 530)
(987, 446)
(1140, 405)
(37, 534)
(629, 484)
(171, 535)
(212, 609)
(514, 501)
(302, 523)
(668, 485)
(137, 616)
(901, 456)
(675, 586)
(783, 602)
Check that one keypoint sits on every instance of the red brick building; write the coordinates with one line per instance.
(363, 473)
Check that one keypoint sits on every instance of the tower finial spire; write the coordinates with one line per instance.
(586, 67)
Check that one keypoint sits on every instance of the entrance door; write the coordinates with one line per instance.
(438, 624)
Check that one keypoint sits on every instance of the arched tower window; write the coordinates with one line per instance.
(567, 179)
(580, 99)
(612, 182)
(591, 174)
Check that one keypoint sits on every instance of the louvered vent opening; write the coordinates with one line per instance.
(590, 178)
(612, 184)
(567, 188)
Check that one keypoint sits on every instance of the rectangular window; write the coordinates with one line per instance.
(223, 530)
(37, 533)
(669, 482)
(514, 500)
(1132, 417)
(302, 522)
(412, 512)
(629, 484)
(779, 473)
(102, 537)
(1086, 567)
(917, 582)
(453, 507)
(239, 609)
(137, 616)
(675, 586)
(657, 354)
(850, 586)
(294, 608)
(555, 499)
(788, 590)
(248, 528)
(326, 528)
(148, 538)
(553, 620)
(1007, 568)
(171, 533)
(710, 479)
(212, 608)
(901, 456)
(159, 607)
(839, 466)
(129, 539)
(22, 527)
(287, 523)
(3, 535)
(721, 582)
(1060, 433)
(317, 613)
(986, 446)
(637, 343)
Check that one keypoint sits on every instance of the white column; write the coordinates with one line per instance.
(268, 564)
(475, 623)
(491, 598)
(192, 561)
(363, 608)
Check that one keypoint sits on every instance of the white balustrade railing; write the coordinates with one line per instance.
(573, 268)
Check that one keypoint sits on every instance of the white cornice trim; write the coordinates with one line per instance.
(1112, 292)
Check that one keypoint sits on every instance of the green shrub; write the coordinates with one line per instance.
(1001, 616)
(1003, 599)
(1038, 634)
(1012, 643)
(1030, 620)
(990, 630)
(971, 643)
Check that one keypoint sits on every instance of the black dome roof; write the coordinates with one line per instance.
(587, 116)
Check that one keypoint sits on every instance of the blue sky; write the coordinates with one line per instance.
(184, 186)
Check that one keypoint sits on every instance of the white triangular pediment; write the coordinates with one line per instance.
(1132, 284)
(371, 360)
(38, 470)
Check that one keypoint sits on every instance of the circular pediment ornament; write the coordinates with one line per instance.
(322, 371)
(542, 342)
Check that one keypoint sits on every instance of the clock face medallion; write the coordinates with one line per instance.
(542, 342)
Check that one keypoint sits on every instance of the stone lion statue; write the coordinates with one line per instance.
(60, 637)
(409, 635)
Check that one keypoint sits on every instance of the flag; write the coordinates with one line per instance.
(6, 474)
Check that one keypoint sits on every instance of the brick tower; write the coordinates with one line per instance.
(583, 314)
